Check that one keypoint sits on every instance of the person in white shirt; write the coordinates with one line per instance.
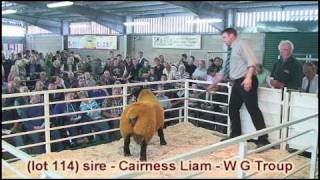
(310, 80)
(201, 72)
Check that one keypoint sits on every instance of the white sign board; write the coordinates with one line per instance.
(92, 42)
(177, 41)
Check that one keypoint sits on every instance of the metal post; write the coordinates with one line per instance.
(241, 157)
(229, 122)
(180, 115)
(47, 121)
(285, 117)
(313, 160)
(125, 97)
(186, 96)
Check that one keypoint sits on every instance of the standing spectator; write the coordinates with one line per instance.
(141, 59)
(287, 72)
(48, 64)
(310, 80)
(262, 75)
(158, 68)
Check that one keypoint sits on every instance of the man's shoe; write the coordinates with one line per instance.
(227, 138)
(262, 143)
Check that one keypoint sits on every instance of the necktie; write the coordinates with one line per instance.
(227, 66)
(308, 87)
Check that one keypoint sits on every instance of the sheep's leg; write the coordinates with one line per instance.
(126, 147)
(161, 135)
(143, 151)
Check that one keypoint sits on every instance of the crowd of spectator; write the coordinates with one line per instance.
(32, 71)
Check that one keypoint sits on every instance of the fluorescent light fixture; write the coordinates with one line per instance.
(202, 21)
(136, 23)
(9, 11)
(60, 4)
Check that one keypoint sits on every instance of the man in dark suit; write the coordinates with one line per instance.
(141, 59)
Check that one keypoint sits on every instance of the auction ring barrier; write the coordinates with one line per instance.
(183, 116)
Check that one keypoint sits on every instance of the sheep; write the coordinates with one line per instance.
(140, 120)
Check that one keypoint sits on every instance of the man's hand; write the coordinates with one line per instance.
(247, 84)
(212, 87)
(277, 84)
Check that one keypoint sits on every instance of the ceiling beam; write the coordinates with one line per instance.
(132, 4)
(204, 10)
(144, 8)
(268, 4)
(112, 21)
(52, 26)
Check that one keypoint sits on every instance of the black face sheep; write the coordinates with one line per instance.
(141, 120)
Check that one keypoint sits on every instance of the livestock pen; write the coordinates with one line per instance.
(193, 149)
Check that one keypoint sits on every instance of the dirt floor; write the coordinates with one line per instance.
(107, 160)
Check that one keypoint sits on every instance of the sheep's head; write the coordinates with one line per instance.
(133, 112)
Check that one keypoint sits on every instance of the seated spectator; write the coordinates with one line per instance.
(70, 65)
(56, 68)
(83, 65)
(181, 73)
(162, 61)
(310, 80)
(144, 71)
(117, 70)
(71, 81)
(106, 78)
(91, 104)
(12, 128)
(169, 71)
(14, 72)
(113, 113)
(68, 107)
(44, 79)
(33, 69)
(37, 111)
(217, 63)
(98, 93)
(201, 72)
(164, 100)
(262, 75)
(89, 80)
(39, 86)
(59, 82)
(133, 71)
(167, 85)
(190, 66)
